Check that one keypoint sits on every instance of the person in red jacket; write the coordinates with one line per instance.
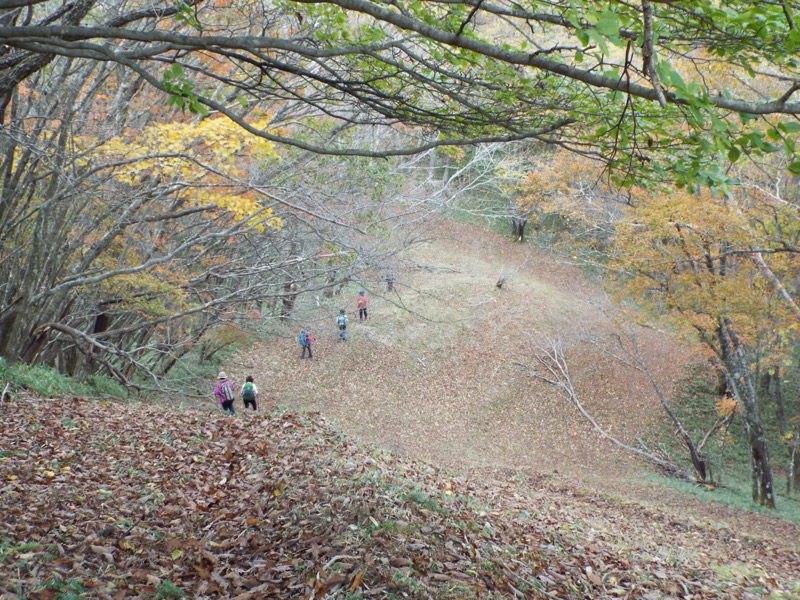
(361, 302)
(305, 340)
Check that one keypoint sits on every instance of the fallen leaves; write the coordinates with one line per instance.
(149, 501)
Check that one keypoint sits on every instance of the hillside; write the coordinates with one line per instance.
(419, 459)
(441, 371)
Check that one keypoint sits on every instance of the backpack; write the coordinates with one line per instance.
(341, 320)
(303, 339)
(227, 391)
(248, 392)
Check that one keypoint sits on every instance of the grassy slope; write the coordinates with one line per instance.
(440, 371)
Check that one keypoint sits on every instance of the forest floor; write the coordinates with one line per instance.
(442, 372)
(418, 459)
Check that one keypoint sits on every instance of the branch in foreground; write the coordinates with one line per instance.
(557, 374)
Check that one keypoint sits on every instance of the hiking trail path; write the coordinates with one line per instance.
(441, 372)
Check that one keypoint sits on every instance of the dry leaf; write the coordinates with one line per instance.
(356, 581)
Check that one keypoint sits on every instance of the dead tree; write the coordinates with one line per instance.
(553, 361)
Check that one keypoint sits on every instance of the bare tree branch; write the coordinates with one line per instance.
(554, 362)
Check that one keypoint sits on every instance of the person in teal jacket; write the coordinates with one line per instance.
(342, 321)
(305, 340)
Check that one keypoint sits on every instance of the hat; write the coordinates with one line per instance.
(222, 375)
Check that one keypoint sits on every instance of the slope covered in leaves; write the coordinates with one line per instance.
(105, 500)
(441, 370)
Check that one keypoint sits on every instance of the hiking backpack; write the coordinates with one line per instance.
(248, 391)
(341, 320)
(303, 339)
(227, 391)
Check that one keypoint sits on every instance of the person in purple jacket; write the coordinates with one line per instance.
(224, 391)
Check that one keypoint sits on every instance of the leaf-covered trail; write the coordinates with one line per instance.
(439, 372)
(517, 497)
(440, 368)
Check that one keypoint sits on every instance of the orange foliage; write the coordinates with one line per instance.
(551, 185)
(727, 406)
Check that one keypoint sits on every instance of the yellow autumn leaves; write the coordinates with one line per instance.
(209, 161)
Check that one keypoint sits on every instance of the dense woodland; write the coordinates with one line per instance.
(173, 172)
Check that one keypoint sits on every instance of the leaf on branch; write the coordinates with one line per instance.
(727, 406)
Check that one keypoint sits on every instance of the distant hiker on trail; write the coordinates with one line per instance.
(224, 393)
(389, 279)
(361, 302)
(305, 340)
(342, 321)
(249, 392)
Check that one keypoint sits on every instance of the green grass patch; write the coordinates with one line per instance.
(419, 497)
(194, 376)
(66, 590)
(736, 494)
(47, 382)
(167, 589)
(727, 453)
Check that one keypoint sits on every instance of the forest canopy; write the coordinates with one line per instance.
(655, 89)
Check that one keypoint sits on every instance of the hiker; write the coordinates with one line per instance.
(361, 302)
(224, 393)
(389, 279)
(305, 340)
(249, 392)
(341, 321)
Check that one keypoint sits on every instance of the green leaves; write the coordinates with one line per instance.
(789, 127)
(179, 88)
(187, 14)
(608, 26)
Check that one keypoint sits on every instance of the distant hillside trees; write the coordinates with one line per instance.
(698, 263)
(721, 264)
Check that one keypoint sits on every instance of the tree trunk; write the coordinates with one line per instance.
(780, 416)
(518, 228)
(791, 472)
(330, 284)
(288, 300)
(741, 382)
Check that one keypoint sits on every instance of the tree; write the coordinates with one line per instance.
(714, 263)
(570, 198)
(598, 78)
(108, 243)
(129, 237)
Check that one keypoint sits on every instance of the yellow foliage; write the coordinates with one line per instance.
(155, 293)
(199, 154)
(457, 153)
(691, 255)
(727, 406)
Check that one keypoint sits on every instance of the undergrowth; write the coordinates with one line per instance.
(47, 382)
(727, 453)
(734, 493)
